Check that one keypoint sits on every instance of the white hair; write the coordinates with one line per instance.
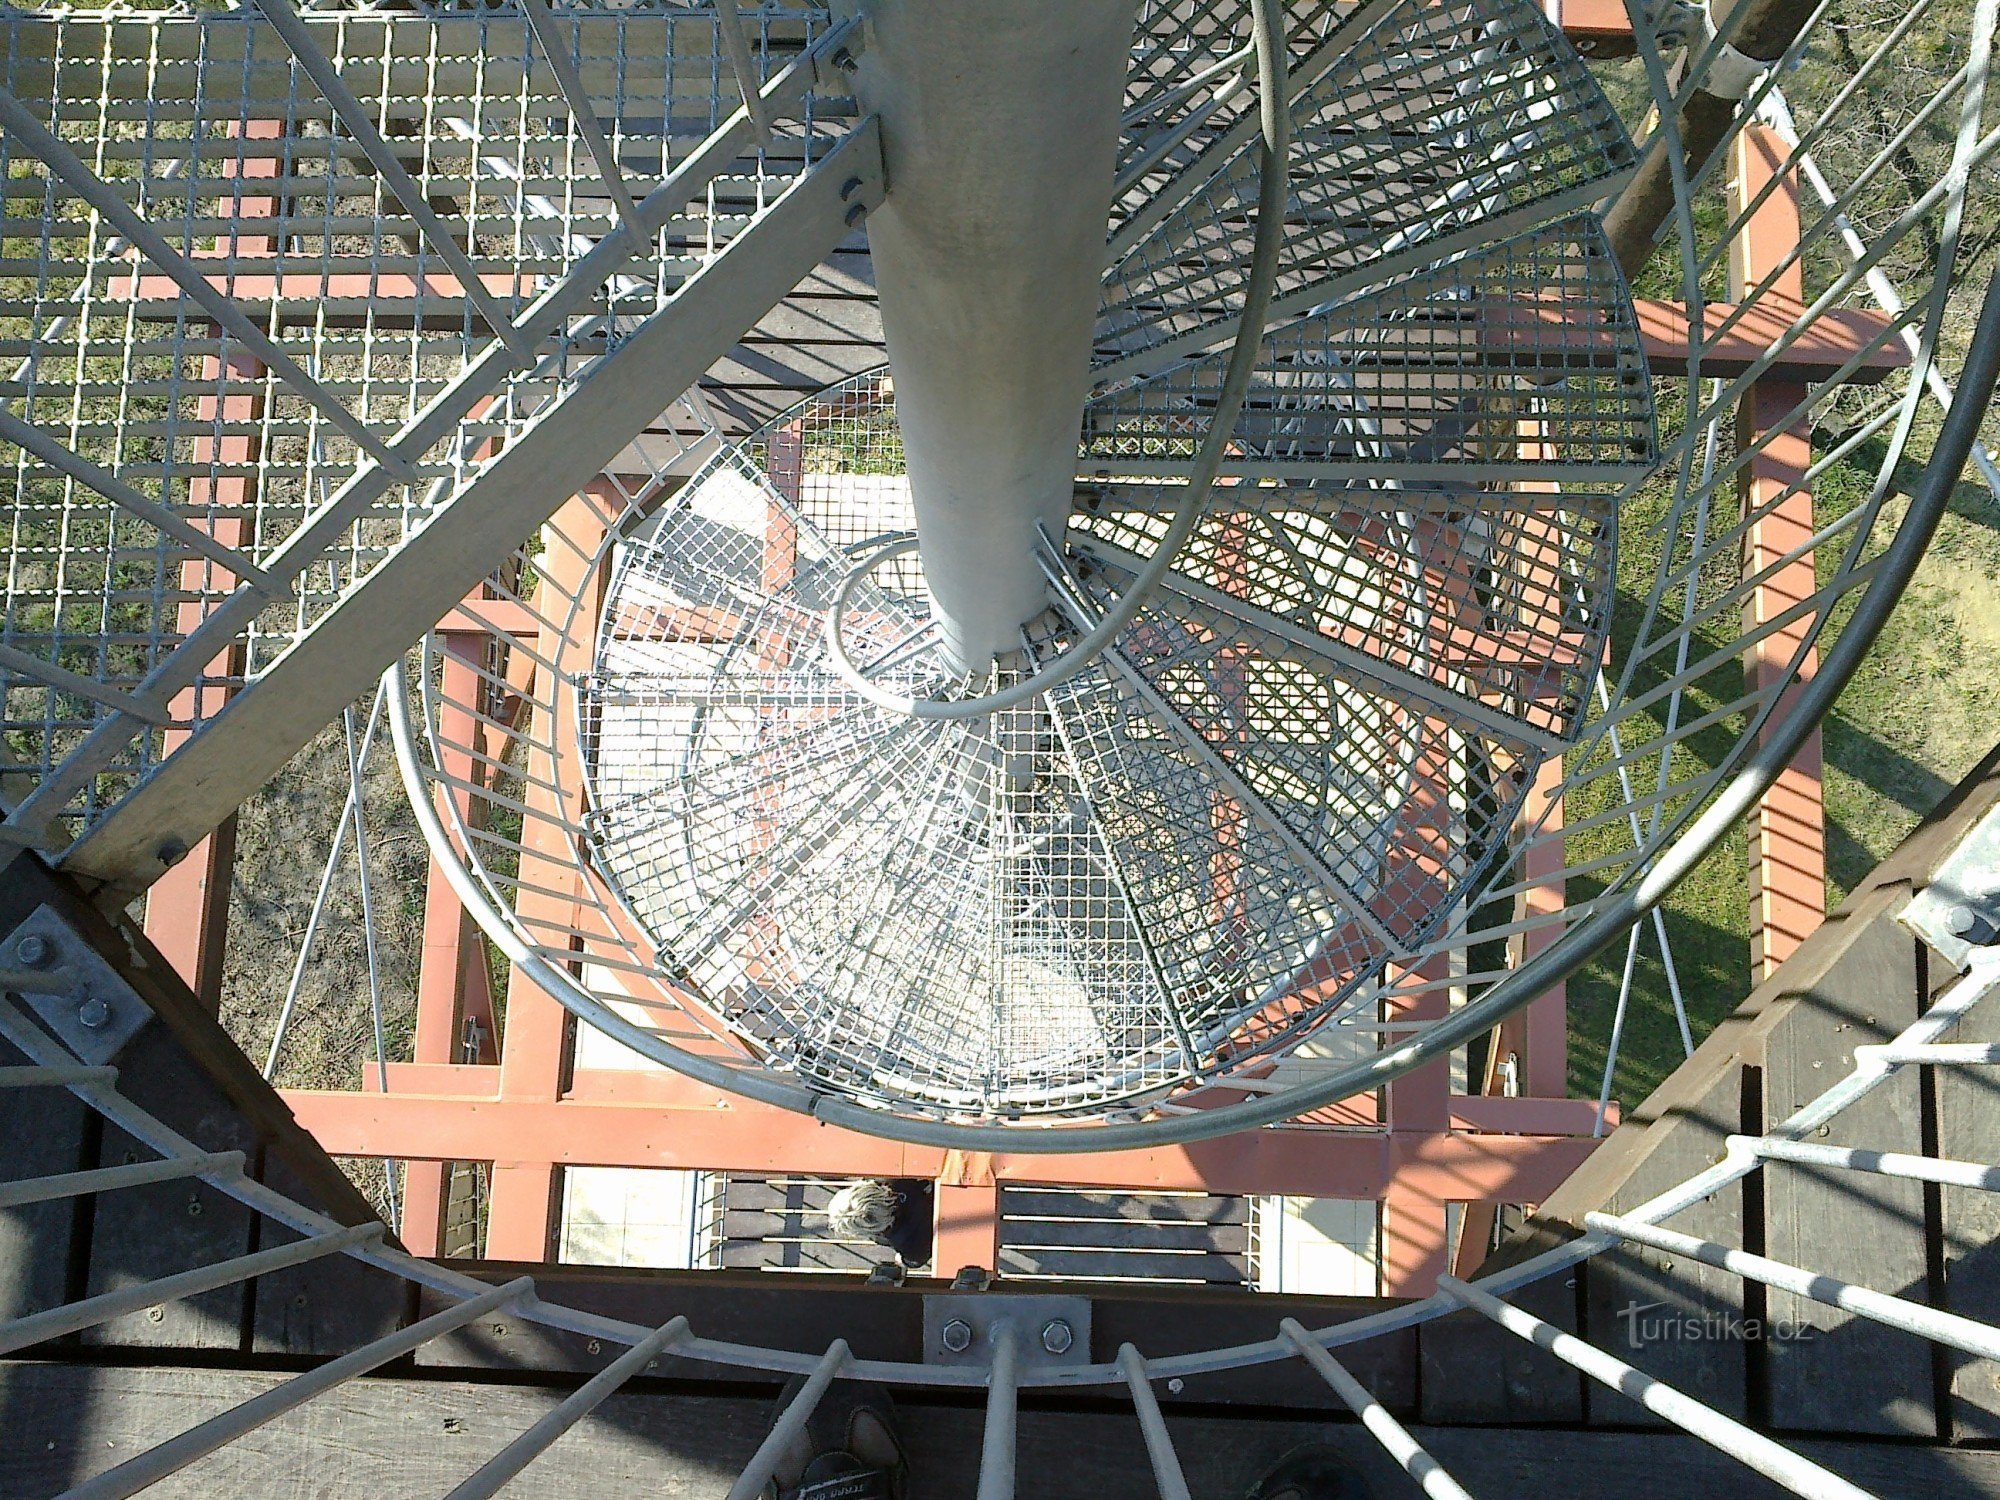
(862, 1210)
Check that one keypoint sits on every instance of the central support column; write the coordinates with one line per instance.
(999, 142)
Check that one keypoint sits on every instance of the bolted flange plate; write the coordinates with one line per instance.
(90, 1009)
(959, 1328)
(1960, 909)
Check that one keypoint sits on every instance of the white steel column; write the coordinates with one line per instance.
(999, 140)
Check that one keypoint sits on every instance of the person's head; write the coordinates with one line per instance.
(862, 1210)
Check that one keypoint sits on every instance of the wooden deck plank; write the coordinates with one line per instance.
(1968, 1129)
(327, 1307)
(401, 1439)
(746, 1306)
(1471, 1370)
(1632, 1288)
(808, 1313)
(1121, 1234)
(25, 883)
(1852, 1375)
(802, 1254)
(1152, 1208)
(1207, 1266)
(166, 1227)
(42, 1132)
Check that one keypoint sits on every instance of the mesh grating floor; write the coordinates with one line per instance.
(205, 126)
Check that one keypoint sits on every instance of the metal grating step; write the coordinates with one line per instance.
(780, 1224)
(1190, 1238)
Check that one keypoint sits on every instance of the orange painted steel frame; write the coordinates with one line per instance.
(1788, 827)
(187, 909)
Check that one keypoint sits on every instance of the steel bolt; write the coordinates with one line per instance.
(32, 951)
(957, 1336)
(1057, 1336)
(93, 1013)
(1960, 919)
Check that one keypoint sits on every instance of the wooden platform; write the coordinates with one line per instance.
(1859, 979)
(408, 1439)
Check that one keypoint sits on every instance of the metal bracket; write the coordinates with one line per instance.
(91, 1010)
(959, 1328)
(1960, 909)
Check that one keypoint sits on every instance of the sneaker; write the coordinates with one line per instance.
(1314, 1472)
(848, 1451)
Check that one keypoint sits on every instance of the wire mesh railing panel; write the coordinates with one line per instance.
(294, 362)
(1435, 128)
(712, 695)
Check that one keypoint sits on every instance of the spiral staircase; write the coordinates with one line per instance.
(1105, 714)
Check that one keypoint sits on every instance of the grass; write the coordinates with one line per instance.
(1917, 716)
(1920, 711)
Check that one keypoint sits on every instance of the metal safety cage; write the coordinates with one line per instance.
(1492, 568)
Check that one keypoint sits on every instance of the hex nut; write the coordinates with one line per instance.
(1058, 1336)
(93, 1013)
(32, 951)
(956, 1336)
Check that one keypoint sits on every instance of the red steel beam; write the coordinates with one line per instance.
(658, 1089)
(967, 1219)
(1557, 329)
(1823, 346)
(1788, 826)
(452, 979)
(505, 617)
(187, 909)
(521, 1211)
(750, 1138)
(1542, 1035)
